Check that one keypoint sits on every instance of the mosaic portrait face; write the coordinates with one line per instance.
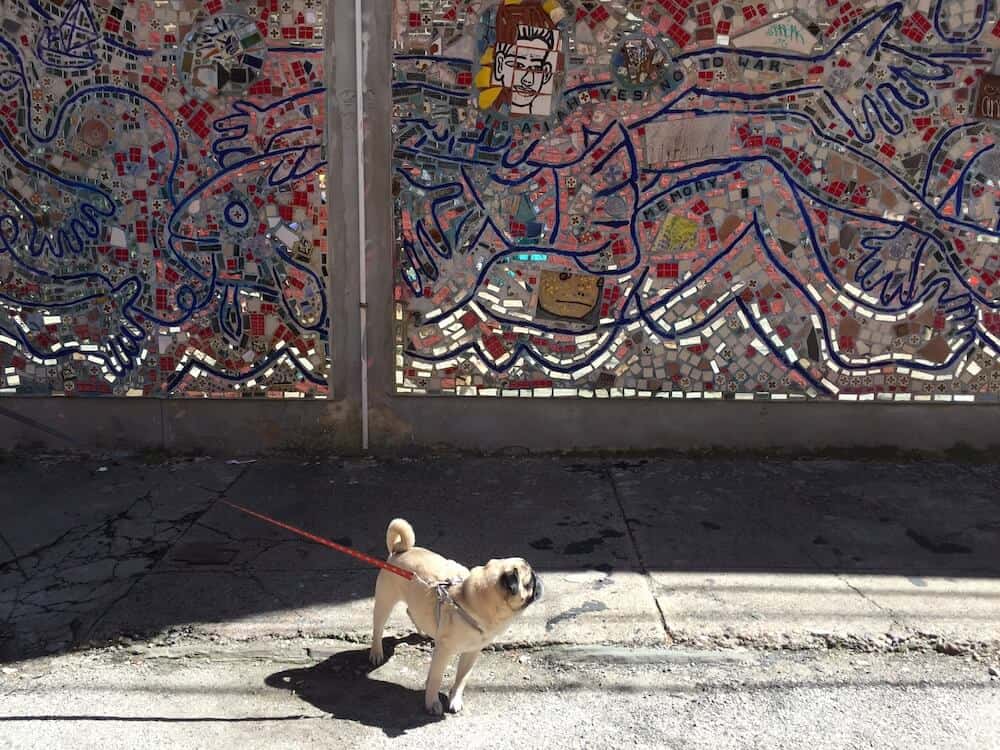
(525, 69)
(568, 296)
(525, 59)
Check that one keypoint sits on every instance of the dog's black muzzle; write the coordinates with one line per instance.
(537, 589)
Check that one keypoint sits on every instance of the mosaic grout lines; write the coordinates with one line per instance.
(696, 199)
(162, 198)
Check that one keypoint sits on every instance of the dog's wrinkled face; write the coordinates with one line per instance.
(517, 582)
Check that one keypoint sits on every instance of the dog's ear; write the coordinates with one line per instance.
(511, 581)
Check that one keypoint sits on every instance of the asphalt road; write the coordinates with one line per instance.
(296, 693)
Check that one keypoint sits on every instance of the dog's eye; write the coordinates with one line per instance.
(511, 581)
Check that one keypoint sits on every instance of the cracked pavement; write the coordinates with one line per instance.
(707, 554)
(81, 534)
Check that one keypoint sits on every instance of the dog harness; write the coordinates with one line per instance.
(445, 597)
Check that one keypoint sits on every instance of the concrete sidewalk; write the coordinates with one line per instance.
(321, 693)
(701, 553)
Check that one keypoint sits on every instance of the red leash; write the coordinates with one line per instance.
(402, 572)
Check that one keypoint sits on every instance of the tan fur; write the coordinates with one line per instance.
(399, 537)
(485, 593)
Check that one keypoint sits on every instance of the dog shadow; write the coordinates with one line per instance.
(341, 687)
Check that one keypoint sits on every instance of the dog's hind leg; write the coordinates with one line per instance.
(386, 598)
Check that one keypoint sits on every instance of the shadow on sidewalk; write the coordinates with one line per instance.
(342, 687)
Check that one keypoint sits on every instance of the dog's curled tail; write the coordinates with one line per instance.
(399, 537)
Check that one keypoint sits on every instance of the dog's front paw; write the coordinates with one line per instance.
(376, 656)
(435, 708)
(455, 703)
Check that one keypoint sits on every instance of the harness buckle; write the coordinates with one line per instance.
(443, 596)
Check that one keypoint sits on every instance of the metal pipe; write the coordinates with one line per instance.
(359, 83)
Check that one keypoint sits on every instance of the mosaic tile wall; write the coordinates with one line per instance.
(697, 199)
(162, 198)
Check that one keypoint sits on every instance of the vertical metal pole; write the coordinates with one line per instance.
(359, 81)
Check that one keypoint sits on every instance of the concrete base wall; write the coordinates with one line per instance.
(224, 428)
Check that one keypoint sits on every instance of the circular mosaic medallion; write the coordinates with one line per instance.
(643, 62)
(239, 216)
(237, 213)
(222, 56)
(95, 133)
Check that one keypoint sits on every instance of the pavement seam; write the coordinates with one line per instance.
(214, 501)
(868, 599)
(635, 548)
(13, 557)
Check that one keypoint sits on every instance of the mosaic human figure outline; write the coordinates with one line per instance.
(162, 212)
(817, 218)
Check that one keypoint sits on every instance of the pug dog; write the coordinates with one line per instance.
(480, 606)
